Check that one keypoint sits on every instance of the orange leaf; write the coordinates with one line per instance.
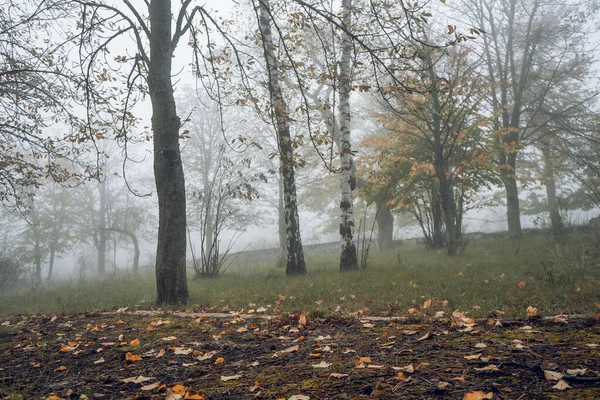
(134, 342)
(478, 396)
(521, 285)
(532, 311)
(427, 303)
(194, 396)
(132, 358)
(61, 368)
(178, 389)
(219, 360)
(363, 360)
(302, 320)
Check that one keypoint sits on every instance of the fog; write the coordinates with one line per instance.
(455, 128)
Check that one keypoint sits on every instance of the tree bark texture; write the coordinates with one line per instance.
(281, 227)
(171, 278)
(513, 208)
(348, 257)
(295, 255)
(385, 227)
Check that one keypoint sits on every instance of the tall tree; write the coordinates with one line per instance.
(531, 48)
(295, 255)
(155, 40)
(348, 258)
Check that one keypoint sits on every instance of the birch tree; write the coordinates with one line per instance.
(295, 255)
(348, 258)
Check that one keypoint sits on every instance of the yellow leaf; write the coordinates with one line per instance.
(427, 303)
(219, 360)
(532, 311)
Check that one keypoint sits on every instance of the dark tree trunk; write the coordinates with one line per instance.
(101, 234)
(449, 212)
(51, 263)
(171, 278)
(295, 254)
(513, 210)
(385, 227)
(438, 221)
(550, 183)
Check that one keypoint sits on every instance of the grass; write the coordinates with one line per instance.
(558, 279)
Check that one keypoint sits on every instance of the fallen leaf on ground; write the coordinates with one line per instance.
(478, 396)
(409, 368)
(363, 360)
(178, 389)
(219, 360)
(424, 337)
(481, 345)
(580, 371)
(552, 375)
(302, 320)
(134, 342)
(194, 396)
(230, 378)
(532, 311)
(488, 368)
(61, 368)
(130, 357)
(442, 385)
(182, 351)
(322, 364)
(561, 385)
(136, 379)
(299, 397)
(339, 376)
(473, 357)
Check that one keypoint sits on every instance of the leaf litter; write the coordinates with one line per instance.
(276, 358)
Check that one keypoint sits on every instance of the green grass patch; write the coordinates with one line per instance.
(558, 278)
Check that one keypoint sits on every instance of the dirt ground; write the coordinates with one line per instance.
(128, 355)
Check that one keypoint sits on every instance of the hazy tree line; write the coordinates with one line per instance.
(380, 100)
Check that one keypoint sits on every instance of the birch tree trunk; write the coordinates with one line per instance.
(348, 258)
(171, 279)
(295, 256)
